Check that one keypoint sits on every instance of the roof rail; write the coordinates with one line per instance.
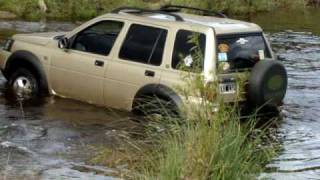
(178, 8)
(134, 10)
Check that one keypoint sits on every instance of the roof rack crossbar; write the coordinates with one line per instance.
(178, 8)
(134, 10)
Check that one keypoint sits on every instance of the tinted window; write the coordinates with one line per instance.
(242, 51)
(189, 49)
(144, 44)
(99, 38)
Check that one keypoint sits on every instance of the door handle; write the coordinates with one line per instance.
(149, 73)
(99, 63)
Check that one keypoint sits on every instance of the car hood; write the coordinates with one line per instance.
(38, 38)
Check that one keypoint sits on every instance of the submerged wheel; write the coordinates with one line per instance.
(24, 83)
(267, 84)
(154, 105)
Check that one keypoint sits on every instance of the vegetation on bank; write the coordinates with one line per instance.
(86, 9)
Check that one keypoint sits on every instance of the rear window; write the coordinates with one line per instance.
(241, 52)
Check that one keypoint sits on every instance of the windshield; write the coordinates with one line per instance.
(238, 52)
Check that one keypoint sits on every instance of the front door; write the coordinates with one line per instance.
(78, 72)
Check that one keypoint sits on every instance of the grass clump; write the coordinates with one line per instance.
(208, 146)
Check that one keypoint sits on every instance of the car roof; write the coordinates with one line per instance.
(220, 25)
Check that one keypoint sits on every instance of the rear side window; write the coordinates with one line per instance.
(144, 44)
(189, 49)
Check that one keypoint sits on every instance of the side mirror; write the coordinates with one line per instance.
(63, 43)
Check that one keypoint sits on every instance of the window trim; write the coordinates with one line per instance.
(157, 42)
(74, 36)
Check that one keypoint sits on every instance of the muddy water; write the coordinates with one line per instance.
(55, 138)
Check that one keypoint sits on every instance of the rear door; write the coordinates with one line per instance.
(137, 64)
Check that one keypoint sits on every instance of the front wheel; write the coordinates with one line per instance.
(24, 84)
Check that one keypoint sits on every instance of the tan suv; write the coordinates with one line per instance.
(117, 58)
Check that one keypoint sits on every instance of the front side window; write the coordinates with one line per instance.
(189, 49)
(99, 38)
(144, 44)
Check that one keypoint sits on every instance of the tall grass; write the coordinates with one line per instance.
(207, 145)
(86, 9)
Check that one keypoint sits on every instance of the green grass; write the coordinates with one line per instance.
(208, 152)
(64, 9)
(206, 145)
(86, 9)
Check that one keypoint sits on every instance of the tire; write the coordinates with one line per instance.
(154, 105)
(267, 84)
(24, 84)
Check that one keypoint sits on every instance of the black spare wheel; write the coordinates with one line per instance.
(268, 83)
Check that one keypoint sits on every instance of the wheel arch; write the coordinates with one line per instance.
(26, 59)
(159, 90)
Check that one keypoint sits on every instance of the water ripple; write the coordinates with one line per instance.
(300, 52)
